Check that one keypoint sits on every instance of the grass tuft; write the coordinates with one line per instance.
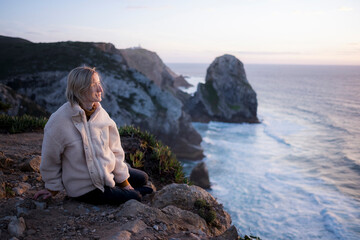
(19, 124)
(153, 157)
(205, 210)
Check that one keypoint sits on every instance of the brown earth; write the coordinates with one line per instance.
(62, 218)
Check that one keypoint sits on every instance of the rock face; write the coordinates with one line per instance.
(177, 211)
(131, 98)
(185, 197)
(200, 176)
(226, 95)
(150, 64)
(14, 104)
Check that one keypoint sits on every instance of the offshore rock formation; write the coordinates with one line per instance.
(199, 176)
(39, 72)
(226, 95)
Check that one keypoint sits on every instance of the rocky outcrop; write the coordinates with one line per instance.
(226, 95)
(150, 64)
(177, 211)
(199, 176)
(131, 98)
(14, 104)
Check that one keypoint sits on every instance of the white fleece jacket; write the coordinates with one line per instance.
(81, 155)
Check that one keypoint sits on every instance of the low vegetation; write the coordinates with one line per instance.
(19, 124)
(148, 154)
(205, 211)
(143, 150)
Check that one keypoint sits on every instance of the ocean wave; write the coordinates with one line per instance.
(332, 225)
(271, 132)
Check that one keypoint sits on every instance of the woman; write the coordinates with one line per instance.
(81, 149)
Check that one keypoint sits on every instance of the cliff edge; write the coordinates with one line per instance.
(39, 70)
(174, 211)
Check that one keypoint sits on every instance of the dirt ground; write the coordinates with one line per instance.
(59, 218)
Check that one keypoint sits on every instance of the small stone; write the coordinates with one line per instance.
(21, 188)
(30, 232)
(70, 222)
(17, 227)
(22, 211)
(156, 227)
(111, 216)
(31, 164)
(122, 235)
(40, 205)
(24, 178)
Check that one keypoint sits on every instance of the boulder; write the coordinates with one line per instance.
(229, 234)
(226, 95)
(31, 164)
(200, 176)
(16, 226)
(170, 219)
(185, 197)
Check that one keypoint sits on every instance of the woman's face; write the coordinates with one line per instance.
(95, 90)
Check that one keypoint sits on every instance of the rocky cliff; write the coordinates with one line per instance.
(14, 104)
(39, 72)
(150, 64)
(226, 95)
(175, 211)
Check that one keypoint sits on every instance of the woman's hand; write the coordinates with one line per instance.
(45, 194)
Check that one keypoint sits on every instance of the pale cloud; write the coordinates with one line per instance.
(345, 9)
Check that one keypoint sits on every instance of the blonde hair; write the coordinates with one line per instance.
(78, 82)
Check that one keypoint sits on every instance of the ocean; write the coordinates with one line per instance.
(296, 175)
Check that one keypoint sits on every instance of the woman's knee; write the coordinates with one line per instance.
(137, 177)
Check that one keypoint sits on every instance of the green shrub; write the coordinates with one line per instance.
(205, 210)
(153, 157)
(18, 124)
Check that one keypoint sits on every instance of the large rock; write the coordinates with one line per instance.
(200, 176)
(226, 95)
(131, 98)
(16, 226)
(170, 219)
(185, 197)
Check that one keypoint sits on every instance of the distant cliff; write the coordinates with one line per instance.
(226, 95)
(150, 64)
(39, 71)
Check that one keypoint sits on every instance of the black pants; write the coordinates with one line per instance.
(116, 195)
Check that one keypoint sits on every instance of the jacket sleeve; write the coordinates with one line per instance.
(121, 171)
(50, 166)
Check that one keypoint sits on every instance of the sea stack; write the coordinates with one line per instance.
(226, 95)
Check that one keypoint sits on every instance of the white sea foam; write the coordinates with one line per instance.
(296, 175)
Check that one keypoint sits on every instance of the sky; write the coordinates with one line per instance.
(324, 32)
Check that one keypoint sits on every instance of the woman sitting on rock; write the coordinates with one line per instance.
(82, 152)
